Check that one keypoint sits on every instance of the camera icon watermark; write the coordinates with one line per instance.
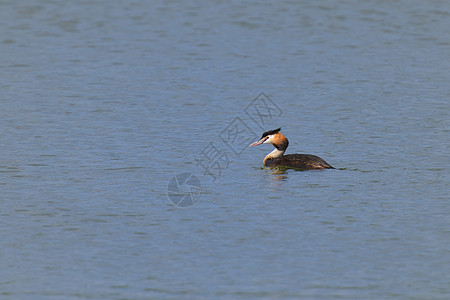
(184, 190)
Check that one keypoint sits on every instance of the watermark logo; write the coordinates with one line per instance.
(237, 136)
(262, 110)
(184, 190)
(212, 160)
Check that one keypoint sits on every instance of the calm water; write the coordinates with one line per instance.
(105, 105)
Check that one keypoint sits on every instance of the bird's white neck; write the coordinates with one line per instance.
(274, 154)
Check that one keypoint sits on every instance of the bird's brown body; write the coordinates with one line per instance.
(298, 161)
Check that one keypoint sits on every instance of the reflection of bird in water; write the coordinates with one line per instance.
(276, 158)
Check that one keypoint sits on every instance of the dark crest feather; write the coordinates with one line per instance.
(270, 132)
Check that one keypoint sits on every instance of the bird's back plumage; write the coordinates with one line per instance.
(300, 161)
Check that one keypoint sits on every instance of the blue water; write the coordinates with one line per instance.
(124, 167)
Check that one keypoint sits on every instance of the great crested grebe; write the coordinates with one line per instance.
(297, 161)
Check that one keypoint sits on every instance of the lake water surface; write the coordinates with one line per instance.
(124, 167)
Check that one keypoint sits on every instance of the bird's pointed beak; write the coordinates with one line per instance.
(258, 142)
